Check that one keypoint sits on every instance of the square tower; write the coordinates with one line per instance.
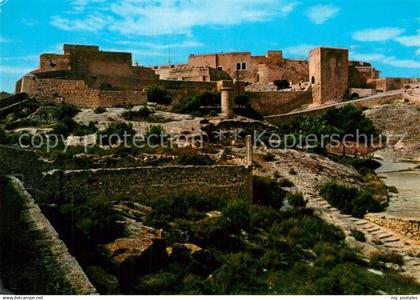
(328, 74)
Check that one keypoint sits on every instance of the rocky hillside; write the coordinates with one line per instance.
(399, 121)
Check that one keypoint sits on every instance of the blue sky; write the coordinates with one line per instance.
(383, 32)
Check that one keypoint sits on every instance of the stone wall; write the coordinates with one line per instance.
(77, 92)
(55, 271)
(407, 227)
(390, 83)
(361, 92)
(144, 182)
(292, 70)
(20, 163)
(61, 91)
(254, 69)
(368, 102)
(112, 98)
(278, 102)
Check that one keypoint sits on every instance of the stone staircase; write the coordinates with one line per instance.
(380, 237)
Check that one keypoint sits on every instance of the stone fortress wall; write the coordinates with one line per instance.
(89, 77)
(279, 102)
(251, 68)
(139, 183)
(61, 273)
(229, 181)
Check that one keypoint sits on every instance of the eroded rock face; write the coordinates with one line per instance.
(142, 252)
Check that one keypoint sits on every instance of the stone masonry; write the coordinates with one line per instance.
(140, 183)
(63, 270)
(328, 74)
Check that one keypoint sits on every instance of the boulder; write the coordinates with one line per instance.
(142, 252)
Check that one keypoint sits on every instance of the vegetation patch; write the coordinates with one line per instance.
(137, 115)
(349, 200)
(193, 105)
(159, 95)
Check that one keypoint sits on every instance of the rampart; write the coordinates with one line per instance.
(278, 102)
(51, 269)
(141, 183)
(77, 92)
(390, 83)
(20, 163)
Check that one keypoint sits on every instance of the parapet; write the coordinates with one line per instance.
(68, 48)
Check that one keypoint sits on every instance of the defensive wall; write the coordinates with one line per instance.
(278, 102)
(48, 268)
(79, 93)
(368, 102)
(229, 181)
(141, 183)
(390, 83)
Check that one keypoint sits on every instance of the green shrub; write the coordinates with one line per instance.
(170, 208)
(99, 110)
(349, 200)
(115, 133)
(358, 235)
(94, 217)
(66, 111)
(392, 257)
(281, 84)
(236, 216)
(267, 191)
(242, 99)
(140, 114)
(194, 160)
(345, 121)
(4, 138)
(64, 127)
(268, 156)
(192, 105)
(350, 119)
(159, 95)
(155, 135)
(284, 182)
(296, 200)
(157, 284)
(68, 126)
(365, 203)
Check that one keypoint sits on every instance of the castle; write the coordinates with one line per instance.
(89, 77)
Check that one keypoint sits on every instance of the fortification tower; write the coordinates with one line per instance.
(328, 74)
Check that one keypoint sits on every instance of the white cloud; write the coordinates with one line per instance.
(92, 23)
(159, 46)
(14, 70)
(32, 58)
(288, 8)
(80, 5)
(388, 60)
(321, 13)
(302, 50)
(378, 34)
(30, 22)
(410, 40)
(145, 17)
